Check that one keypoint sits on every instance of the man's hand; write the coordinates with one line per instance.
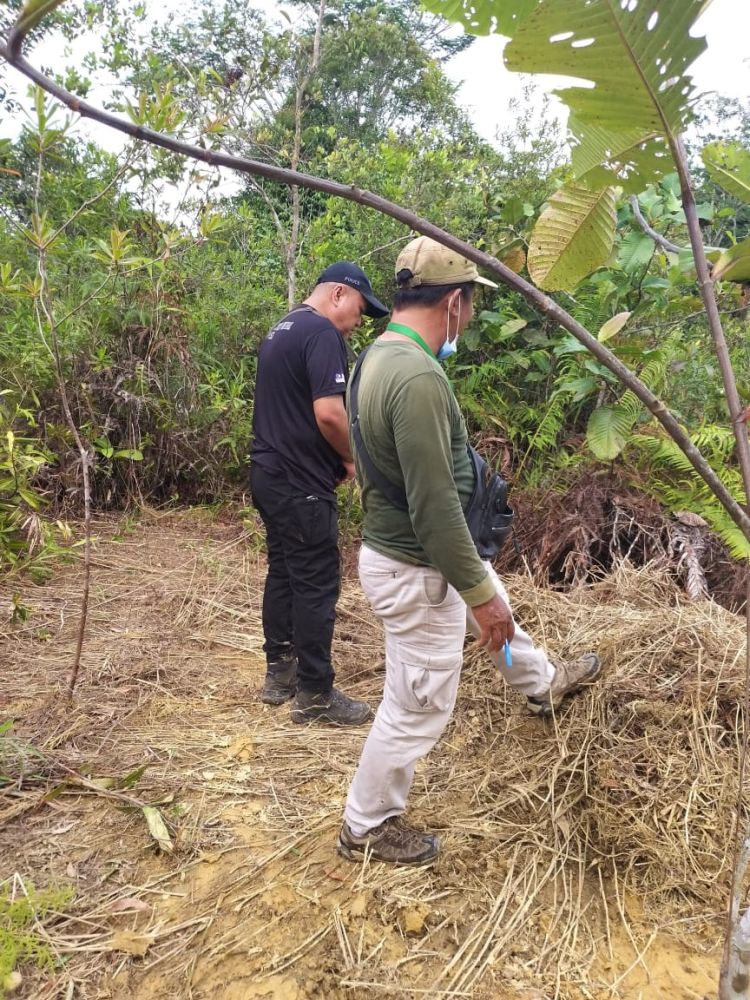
(496, 622)
(349, 472)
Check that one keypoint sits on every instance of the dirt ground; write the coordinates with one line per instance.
(248, 898)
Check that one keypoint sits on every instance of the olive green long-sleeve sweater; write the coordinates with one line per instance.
(415, 435)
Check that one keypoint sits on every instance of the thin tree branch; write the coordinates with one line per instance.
(11, 221)
(734, 979)
(662, 241)
(385, 246)
(44, 307)
(259, 189)
(300, 101)
(87, 204)
(107, 793)
(734, 404)
(536, 298)
(738, 311)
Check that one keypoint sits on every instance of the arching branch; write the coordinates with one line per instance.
(660, 240)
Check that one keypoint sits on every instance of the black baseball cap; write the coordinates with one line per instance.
(345, 273)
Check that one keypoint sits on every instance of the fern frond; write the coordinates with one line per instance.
(715, 440)
(730, 534)
(551, 424)
(676, 484)
(653, 374)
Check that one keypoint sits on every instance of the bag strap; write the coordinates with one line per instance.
(395, 496)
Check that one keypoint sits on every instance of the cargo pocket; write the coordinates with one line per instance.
(427, 682)
(312, 521)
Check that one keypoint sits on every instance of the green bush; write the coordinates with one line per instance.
(22, 907)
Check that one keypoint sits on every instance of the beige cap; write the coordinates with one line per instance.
(433, 264)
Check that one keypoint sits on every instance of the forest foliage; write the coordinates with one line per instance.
(164, 276)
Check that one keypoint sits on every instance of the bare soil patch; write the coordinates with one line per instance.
(587, 857)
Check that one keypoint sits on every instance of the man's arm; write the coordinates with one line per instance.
(330, 416)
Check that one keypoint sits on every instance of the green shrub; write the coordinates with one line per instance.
(22, 906)
(27, 540)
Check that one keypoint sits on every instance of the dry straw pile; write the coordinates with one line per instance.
(640, 777)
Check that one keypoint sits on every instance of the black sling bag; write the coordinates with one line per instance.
(488, 516)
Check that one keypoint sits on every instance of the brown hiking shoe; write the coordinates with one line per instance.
(393, 842)
(280, 684)
(569, 678)
(334, 708)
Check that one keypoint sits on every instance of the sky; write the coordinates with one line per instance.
(486, 87)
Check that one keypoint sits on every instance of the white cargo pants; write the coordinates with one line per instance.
(425, 623)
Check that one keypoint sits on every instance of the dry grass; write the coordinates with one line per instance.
(570, 847)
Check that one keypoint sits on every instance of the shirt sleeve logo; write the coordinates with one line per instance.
(287, 325)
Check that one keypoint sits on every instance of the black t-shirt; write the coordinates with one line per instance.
(302, 359)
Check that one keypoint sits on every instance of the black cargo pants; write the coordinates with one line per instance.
(303, 581)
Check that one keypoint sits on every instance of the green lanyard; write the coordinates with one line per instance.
(412, 335)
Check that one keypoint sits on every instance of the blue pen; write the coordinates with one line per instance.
(508, 656)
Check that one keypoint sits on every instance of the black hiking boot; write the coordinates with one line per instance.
(281, 681)
(392, 841)
(334, 708)
(569, 678)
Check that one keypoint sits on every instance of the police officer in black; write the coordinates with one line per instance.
(300, 453)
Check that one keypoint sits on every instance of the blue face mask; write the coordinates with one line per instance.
(450, 346)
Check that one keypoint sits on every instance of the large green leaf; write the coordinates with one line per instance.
(573, 236)
(728, 163)
(636, 55)
(486, 17)
(636, 250)
(733, 264)
(607, 431)
(600, 155)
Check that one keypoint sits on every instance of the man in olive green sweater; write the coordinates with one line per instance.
(419, 567)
